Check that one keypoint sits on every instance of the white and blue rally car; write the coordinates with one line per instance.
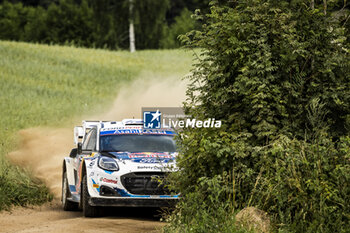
(118, 164)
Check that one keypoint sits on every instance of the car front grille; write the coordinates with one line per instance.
(145, 183)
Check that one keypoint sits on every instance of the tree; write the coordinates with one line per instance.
(277, 74)
(12, 21)
(35, 29)
(92, 23)
(131, 27)
(106, 31)
(149, 22)
(263, 76)
(183, 23)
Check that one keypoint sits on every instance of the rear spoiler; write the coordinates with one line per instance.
(80, 131)
(135, 122)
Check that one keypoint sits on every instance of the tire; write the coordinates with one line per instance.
(88, 210)
(67, 204)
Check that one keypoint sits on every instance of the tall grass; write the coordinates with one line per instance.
(204, 209)
(43, 85)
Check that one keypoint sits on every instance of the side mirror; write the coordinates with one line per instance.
(73, 153)
(80, 150)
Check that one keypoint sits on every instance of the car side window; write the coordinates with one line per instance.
(85, 143)
(92, 141)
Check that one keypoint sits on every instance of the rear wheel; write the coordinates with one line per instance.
(67, 204)
(88, 210)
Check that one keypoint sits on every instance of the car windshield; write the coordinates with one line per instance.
(137, 143)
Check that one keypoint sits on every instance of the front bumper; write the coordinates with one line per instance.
(132, 202)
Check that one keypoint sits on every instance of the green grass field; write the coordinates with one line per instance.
(43, 85)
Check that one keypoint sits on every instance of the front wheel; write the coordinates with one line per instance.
(67, 204)
(88, 210)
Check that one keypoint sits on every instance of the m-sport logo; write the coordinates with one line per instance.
(152, 120)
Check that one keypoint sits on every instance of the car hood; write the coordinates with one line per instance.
(145, 157)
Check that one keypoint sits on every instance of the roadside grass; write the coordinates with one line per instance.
(42, 85)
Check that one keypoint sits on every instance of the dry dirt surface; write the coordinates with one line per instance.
(51, 218)
(41, 151)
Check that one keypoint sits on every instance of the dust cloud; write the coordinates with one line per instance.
(42, 150)
(151, 92)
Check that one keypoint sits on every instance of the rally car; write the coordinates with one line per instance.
(118, 164)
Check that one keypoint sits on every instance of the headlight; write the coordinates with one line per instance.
(107, 163)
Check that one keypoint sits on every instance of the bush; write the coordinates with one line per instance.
(203, 210)
(277, 74)
(305, 185)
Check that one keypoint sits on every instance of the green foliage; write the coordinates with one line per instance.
(12, 20)
(96, 23)
(261, 77)
(344, 16)
(110, 24)
(305, 185)
(35, 28)
(277, 74)
(149, 22)
(183, 24)
(203, 209)
(69, 22)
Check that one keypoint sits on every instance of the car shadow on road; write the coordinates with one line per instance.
(140, 213)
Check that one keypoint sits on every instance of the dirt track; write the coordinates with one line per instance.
(42, 150)
(51, 218)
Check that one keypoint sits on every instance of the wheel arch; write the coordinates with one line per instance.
(87, 170)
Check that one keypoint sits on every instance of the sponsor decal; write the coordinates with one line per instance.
(92, 163)
(146, 157)
(95, 185)
(148, 160)
(149, 167)
(108, 180)
(122, 127)
(152, 160)
(136, 131)
(72, 188)
(150, 156)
